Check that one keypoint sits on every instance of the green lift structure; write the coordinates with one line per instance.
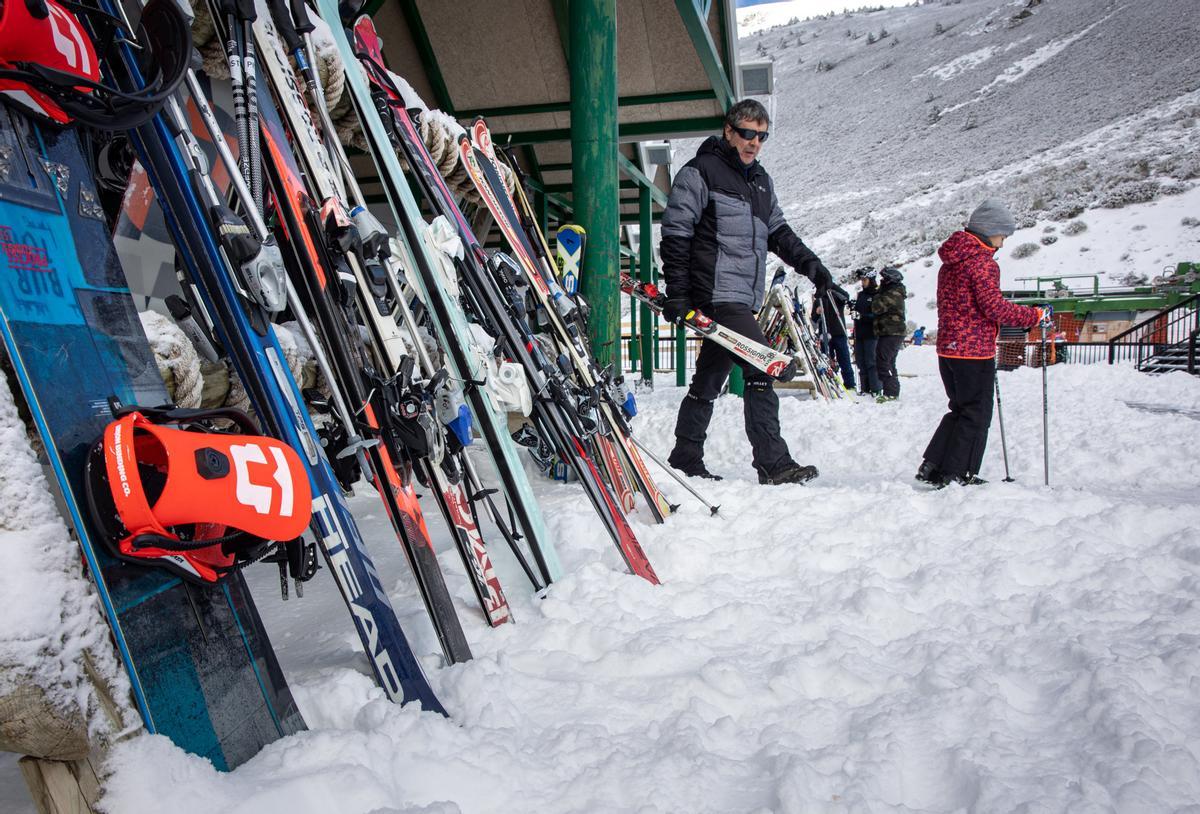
(578, 87)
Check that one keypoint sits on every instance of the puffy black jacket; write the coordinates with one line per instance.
(864, 325)
(833, 305)
(721, 220)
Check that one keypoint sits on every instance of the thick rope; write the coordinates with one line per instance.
(178, 362)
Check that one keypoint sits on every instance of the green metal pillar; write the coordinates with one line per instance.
(646, 249)
(593, 63)
(635, 348)
(737, 382)
(543, 212)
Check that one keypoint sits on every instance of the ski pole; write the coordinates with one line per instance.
(712, 510)
(1045, 415)
(1003, 442)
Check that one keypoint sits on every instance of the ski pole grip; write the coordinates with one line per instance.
(300, 18)
(284, 25)
(246, 11)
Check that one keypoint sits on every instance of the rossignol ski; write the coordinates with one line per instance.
(325, 270)
(777, 365)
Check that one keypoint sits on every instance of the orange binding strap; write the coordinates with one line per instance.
(206, 483)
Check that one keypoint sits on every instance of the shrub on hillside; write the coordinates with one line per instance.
(1130, 192)
(1075, 227)
(1025, 250)
(1049, 240)
(1190, 222)
(1067, 209)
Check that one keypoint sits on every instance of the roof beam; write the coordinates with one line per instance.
(557, 201)
(631, 170)
(562, 22)
(425, 51)
(562, 107)
(695, 20)
(632, 131)
(635, 218)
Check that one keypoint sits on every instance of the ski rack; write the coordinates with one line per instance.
(174, 162)
(786, 325)
(449, 320)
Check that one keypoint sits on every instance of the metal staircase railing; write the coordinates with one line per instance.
(1164, 341)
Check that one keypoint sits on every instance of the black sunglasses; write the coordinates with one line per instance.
(750, 135)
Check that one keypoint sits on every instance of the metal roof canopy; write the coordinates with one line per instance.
(507, 60)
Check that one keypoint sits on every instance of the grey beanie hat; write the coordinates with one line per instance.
(992, 218)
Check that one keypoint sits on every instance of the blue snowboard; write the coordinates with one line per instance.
(201, 665)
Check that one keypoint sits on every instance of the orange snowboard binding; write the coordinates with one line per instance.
(199, 502)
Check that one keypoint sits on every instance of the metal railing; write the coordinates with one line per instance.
(1013, 353)
(665, 358)
(1142, 342)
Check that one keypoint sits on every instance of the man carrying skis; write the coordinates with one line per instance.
(721, 220)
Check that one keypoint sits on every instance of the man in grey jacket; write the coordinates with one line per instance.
(721, 220)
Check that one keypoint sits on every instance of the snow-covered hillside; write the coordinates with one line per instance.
(890, 126)
(754, 18)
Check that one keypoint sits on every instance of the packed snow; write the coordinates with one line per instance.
(850, 645)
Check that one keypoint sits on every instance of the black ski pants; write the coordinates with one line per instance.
(957, 446)
(760, 403)
(864, 355)
(887, 348)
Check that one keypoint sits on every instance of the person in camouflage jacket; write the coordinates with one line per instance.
(891, 327)
(970, 313)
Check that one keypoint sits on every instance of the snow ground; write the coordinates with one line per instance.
(850, 645)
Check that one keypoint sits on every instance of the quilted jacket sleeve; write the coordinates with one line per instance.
(689, 196)
(983, 276)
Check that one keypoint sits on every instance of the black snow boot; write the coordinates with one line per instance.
(699, 472)
(929, 473)
(791, 473)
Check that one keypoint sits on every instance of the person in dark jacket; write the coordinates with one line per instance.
(970, 312)
(887, 306)
(829, 313)
(721, 219)
(864, 332)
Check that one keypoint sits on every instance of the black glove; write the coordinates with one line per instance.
(675, 309)
(815, 270)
